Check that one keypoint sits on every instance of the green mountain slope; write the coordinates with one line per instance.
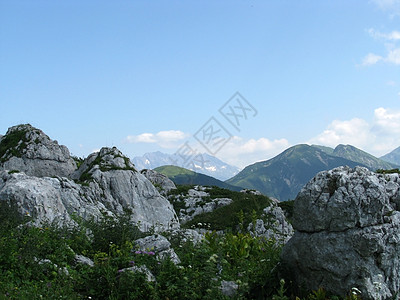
(352, 153)
(183, 176)
(284, 175)
(392, 157)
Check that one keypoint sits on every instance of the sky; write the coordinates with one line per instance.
(241, 80)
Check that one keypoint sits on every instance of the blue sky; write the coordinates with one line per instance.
(147, 75)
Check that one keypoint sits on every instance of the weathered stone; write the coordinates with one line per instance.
(108, 184)
(30, 150)
(80, 259)
(142, 269)
(347, 234)
(229, 288)
(159, 180)
(159, 245)
(186, 235)
(113, 180)
(197, 201)
(273, 224)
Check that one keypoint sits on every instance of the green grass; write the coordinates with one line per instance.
(228, 217)
(13, 144)
(39, 263)
(87, 176)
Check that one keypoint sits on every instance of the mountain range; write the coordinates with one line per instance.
(284, 175)
(204, 164)
(393, 157)
(184, 176)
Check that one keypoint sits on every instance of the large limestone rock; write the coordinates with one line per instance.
(159, 180)
(30, 150)
(347, 224)
(32, 170)
(48, 199)
(115, 182)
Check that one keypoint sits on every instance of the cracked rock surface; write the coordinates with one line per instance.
(40, 179)
(347, 224)
(30, 150)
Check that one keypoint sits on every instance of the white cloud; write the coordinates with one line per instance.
(354, 131)
(392, 55)
(371, 59)
(386, 122)
(165, 139)
(378, 137)
(391, 36)
(241, 152)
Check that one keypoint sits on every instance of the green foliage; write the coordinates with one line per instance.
(13, 144)
(226, 217)
(391, 171)
(180, 189)
(287, 207)
(13, 171)
(78, 160)
(87, 176)
(281, 292)
(39, 263)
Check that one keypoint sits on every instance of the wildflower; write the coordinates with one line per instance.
(120, 271)
(132, 262)
(138, 252)
(151, 253)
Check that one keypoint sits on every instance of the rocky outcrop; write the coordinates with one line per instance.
(48, 199)
(113, 179)
(156, 245)
(347, 224)
(162, 182)
(30, 150)
(273, 224)
(197, 201)
(105, 183)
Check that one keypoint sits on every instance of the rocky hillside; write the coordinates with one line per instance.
(283, 176)
(184, 176)
(393, 156)
(347, 236)
(30, 150)
(41, 180)
(354, 154)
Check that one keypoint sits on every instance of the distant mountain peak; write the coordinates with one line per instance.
(208, 165)
(285, 174)
(392, 157)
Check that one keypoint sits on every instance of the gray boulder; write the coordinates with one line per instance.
(156, 245)
(273, 224)
(106, 183)
(229, 288)
(197, 201)
(141, 269)
(347, 224)
(83, 260)
(30, 150)
(115, 182)
(159, 180)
